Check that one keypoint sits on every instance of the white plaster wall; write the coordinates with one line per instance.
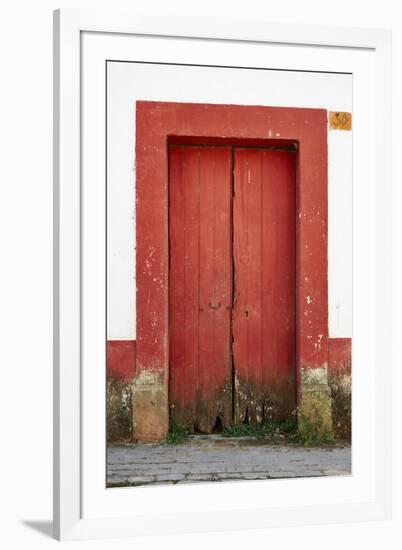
(128, 82)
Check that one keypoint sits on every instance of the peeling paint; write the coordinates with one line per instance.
(314, 376)
(340, 383)
(148, 376)
(263, 404)
(315, 409)
(149, 405)
(341, 399)
(317, 344)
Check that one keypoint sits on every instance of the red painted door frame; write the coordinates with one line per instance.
(159, 123)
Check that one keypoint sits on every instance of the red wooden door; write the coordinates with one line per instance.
(200, 286)
(264, 345)
(232, 285)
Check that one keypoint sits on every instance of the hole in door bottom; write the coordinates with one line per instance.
(246, 419)
(218, 427)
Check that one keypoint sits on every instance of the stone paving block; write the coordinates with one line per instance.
(170, 477)
(281, 475)
(146, 460)
(178, 467)
(212, 467)
(117, 480)
(255, 475)
(120, 467)
(230, 475)
(309, 473)
(141, 479)
(202, 477)
(202, 457)
(337, 472)
(230, 468)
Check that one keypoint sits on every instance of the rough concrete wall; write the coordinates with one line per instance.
(118, 410)
(315, 411)
(150, 406)
(120, 372)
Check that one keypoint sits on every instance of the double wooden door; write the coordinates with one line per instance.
(232, 285)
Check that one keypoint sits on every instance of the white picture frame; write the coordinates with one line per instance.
(83, 507)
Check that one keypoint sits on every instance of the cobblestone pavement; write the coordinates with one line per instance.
(214, 458)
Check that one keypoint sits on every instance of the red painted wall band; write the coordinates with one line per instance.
(339, 355)
(121, 359)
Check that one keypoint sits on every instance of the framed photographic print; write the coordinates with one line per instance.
(222, 274)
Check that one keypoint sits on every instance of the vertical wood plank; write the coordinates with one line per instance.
(253, 278)
(206, 274)
(215, 288)
(241, 291)
(220, 304)
(200, 282)
(279, 284)
(189, 378)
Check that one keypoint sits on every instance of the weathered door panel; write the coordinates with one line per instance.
(264, 351)
(200, 286)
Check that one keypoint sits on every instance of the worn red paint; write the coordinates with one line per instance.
(200, 286)
(121, 359)
(339, 356)
(264, 329)
(155, 122)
